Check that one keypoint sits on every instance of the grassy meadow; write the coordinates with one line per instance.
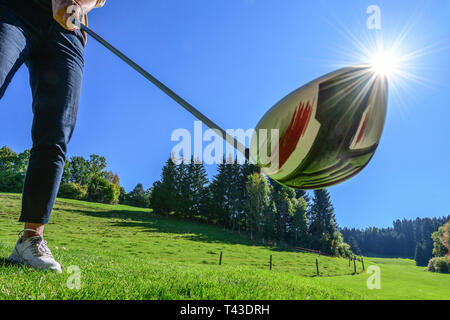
(124, 252)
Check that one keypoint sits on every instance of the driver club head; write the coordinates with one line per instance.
(324, 132)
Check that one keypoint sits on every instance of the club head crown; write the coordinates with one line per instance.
(325, 132)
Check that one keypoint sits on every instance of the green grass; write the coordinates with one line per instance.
(129, 253)
(400, 280)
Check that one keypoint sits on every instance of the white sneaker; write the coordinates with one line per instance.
(34, 252)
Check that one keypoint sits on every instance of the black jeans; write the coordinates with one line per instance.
(54, 57)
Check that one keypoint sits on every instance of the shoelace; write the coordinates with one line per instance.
(38, 246)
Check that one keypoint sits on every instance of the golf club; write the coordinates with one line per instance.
(196, 113)
(328, 129)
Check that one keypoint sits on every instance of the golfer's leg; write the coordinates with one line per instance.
(55, 78)
(14, 49)
(13, 46)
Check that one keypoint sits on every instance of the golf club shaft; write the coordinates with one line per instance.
(230, 139)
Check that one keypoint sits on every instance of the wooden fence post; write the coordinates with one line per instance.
(270, 262)
(220, 259)
(354, 264)
(317, 266)
(362, 261)
(349, 260)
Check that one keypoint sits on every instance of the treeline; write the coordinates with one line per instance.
(240, 199)
(83, 179)
(410, 239)
(237, 198)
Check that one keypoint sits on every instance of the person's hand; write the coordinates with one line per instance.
(64, 11)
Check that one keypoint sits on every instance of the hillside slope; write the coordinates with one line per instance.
(129, 253)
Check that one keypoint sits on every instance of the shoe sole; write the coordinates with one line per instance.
(18, 260)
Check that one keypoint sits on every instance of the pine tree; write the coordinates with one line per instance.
(420, 255)
(183, 200)
(283, 198)
(245, 170)
(225, 205)
(164, 195)
(303, 194)
(323, 227)
(198, 187)
(219, 203)
(234, 193)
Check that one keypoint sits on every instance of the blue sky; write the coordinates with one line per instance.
(233, 60)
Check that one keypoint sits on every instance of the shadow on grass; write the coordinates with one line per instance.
(4, 263)
(152, 223)
(189, 230)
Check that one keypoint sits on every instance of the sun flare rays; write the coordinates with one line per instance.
(399, 56)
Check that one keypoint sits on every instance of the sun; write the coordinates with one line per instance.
(384, 63)
(396, 54)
